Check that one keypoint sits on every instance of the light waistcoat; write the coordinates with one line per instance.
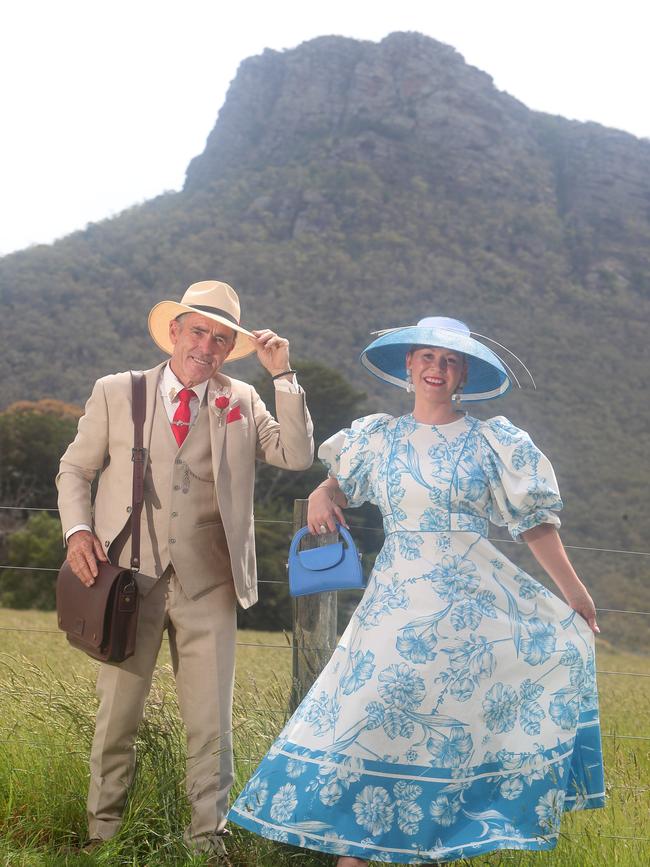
(104, 443)
(180, 521)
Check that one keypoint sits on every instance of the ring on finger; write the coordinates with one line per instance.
(322, 528)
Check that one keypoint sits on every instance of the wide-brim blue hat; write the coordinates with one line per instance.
(487, 376)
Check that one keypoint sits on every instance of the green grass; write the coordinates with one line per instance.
(47, 708)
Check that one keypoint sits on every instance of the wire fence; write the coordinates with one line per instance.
(355, 526)
(287, 646)
(279, 582)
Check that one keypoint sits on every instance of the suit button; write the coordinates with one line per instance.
(172, 541)
(177, 487)
(128, 508)
(174, 514)
(178, 461)
(106, 544)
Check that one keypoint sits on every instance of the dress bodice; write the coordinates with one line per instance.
(444, 478)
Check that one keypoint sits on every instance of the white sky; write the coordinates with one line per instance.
(104, 102)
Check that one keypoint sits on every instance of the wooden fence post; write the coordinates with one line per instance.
(314, 621)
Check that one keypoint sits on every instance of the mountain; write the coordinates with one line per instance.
(349, 186)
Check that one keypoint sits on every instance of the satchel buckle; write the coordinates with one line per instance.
(138, 455)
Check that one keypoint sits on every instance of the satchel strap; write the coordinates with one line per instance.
(138, 405)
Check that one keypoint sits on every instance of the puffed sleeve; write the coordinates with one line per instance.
(523, 488)
(351, 457)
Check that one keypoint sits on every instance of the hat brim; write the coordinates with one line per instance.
(163, 313)
(487, 378)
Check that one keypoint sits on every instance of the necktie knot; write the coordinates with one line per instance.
(185, 395)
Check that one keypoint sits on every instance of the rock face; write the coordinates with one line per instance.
(406, 101)
(410, 106)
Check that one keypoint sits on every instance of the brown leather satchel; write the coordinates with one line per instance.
(102, 619)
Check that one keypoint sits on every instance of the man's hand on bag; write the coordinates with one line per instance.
(84, 550)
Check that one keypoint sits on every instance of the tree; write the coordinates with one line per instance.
(33, 436)
(37, 544)
(333, 403)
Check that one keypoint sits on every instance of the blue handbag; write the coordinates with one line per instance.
(321, 570)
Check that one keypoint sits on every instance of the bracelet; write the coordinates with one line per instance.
(284, 373)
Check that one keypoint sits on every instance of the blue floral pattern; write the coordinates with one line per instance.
(459, 713)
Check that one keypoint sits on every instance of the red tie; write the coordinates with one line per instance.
(181, 422)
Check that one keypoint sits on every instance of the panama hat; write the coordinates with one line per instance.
(487, 376)
(210, 298)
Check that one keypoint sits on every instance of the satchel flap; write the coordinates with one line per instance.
(325, 557)
(81, 610)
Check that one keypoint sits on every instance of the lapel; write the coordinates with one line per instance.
(217, 431)
(152, 379)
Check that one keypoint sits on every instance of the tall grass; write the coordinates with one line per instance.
(47, 707)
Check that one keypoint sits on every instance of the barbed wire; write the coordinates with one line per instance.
(354, 526)
(614, 735)
(53, 569)
(27, 509)
(625, 737)
(280, 581)
(287, 646)
(629, 673)
(39, 742)
(62, 634)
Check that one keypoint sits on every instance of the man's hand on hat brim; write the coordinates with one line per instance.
(272, 350)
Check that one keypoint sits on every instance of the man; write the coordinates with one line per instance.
(203, 432)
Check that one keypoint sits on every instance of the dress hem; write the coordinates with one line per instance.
(278, 833)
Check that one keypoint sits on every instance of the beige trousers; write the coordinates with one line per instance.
(202, 643)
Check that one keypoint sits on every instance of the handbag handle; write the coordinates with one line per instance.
(300, 535)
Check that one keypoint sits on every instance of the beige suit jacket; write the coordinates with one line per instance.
(105, 438)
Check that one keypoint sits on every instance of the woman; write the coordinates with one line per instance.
(459, 712)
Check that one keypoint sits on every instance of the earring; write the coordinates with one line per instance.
(457, 397)
(409, 381)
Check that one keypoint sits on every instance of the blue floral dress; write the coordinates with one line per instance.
(459, 713)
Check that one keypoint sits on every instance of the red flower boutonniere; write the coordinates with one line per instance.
(225, 408)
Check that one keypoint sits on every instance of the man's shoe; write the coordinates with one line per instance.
(218, 859)
(219, 856)
(92, 845)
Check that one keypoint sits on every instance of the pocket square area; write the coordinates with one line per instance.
(234, 415)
